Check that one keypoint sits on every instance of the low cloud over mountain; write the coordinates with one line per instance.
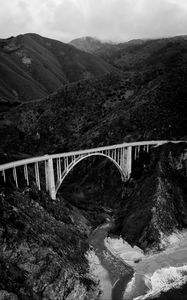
(109, 19)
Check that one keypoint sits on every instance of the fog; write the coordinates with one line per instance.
(116, 20)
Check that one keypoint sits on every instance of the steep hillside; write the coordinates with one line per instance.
(42, 249)
(32, 67)
(145, 54)
(109, 50)
(88, 44)
(116, 108)
(156, 204)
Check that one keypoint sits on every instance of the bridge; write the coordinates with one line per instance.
(56, 167)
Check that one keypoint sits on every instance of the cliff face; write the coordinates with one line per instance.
(42, 249)
(156, 204)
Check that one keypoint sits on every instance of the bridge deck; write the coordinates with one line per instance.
(79, 152)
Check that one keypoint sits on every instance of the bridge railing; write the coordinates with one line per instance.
(142, 143)
(72, 153)
(23, 162)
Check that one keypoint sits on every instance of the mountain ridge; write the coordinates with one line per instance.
(32, 66)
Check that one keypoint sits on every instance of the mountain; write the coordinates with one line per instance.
(113, 109)
(139, 55)
(44, 242)
(98, 47)
(32, 66)
(89, 44)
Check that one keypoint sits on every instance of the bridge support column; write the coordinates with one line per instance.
(129, 161)
(51, 179)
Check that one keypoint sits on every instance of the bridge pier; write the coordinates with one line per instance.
(129, 161)
(51, 179)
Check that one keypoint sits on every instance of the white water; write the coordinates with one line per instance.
(164, 279)
(154, 273)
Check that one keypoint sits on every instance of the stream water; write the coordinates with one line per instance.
(126, 273)
(113, 273)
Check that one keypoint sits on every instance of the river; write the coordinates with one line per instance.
(113, 273)
(126, 273)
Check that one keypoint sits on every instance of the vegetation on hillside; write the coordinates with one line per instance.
(32, 67)
(112, 109)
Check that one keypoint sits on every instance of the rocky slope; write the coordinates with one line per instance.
(42, 248)
(32, 66)
(155, 204)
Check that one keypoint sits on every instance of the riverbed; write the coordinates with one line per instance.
(126, 273)
(113, 273)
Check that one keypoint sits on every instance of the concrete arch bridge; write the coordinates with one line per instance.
(57, 166)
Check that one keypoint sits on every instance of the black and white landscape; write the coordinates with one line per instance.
(108, 223)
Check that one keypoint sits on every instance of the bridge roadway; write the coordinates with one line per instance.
(31, 160)
(57, 166)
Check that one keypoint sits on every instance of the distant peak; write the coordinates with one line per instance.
(88, 43)
(86, 38)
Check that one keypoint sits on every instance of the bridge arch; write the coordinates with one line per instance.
(79, 159)
(58, 166)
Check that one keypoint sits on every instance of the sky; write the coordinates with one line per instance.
(109, 20)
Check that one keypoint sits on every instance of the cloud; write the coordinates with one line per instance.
(117, 20)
